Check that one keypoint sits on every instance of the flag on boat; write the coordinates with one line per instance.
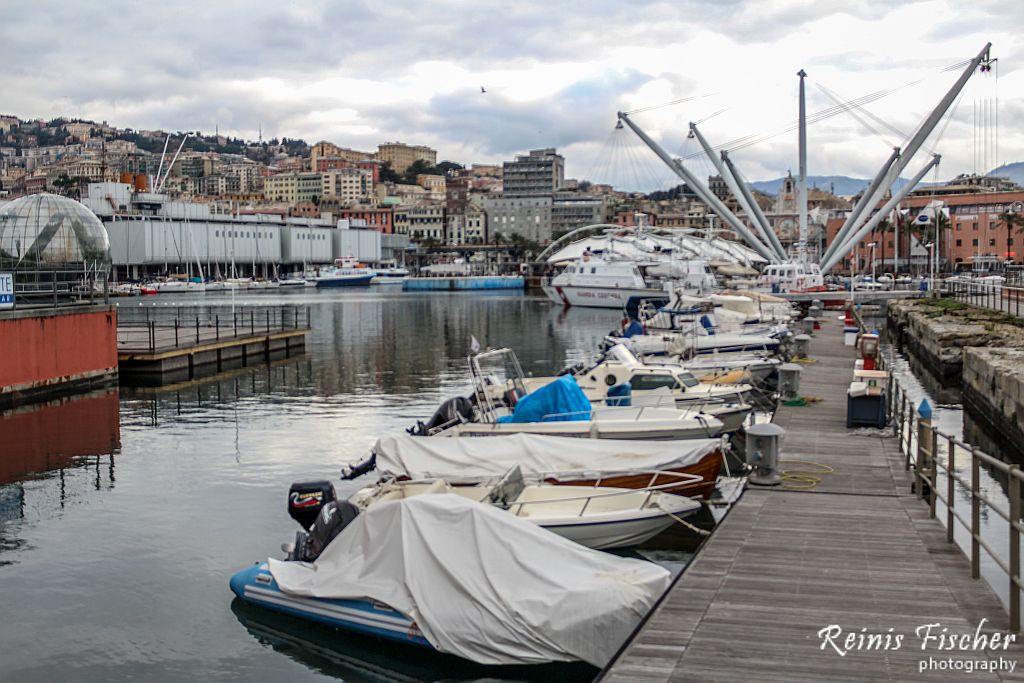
(474, 345)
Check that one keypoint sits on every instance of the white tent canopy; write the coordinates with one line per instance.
(648, 246)
(474, 457)
(481, 583)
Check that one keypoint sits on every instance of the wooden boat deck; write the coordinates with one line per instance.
(857, 550)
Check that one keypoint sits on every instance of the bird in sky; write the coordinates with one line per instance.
(483, 89)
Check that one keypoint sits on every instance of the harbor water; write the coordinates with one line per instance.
(124, 513)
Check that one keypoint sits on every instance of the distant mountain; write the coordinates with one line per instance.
(838, 184)
(1014, 172)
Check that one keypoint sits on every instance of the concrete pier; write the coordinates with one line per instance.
(857, 552)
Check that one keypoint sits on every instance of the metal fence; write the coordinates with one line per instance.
(992, 295)
(53, 287)
(921, 443)
(166, 329)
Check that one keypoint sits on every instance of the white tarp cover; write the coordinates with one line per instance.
(481, 583)
(475, 457)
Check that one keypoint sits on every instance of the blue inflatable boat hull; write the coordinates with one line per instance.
(256, 586)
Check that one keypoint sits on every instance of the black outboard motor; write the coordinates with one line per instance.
(306, 499)
(453, 411)
(314, 506)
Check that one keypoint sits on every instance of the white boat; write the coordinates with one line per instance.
(346, 272)
(435, 571)
(590, 462)
(780, 278)
(390, 276)
(598, 517)
(179, 287)
(220, 286)
(611, 281)
(501, 404)
(620, 366)
(291, 282)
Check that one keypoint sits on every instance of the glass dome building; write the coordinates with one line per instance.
(56, 247)
(47, 232)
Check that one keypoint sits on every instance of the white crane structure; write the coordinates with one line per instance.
(861, 220)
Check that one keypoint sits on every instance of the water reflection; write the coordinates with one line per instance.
(359, 659)
(202, 473)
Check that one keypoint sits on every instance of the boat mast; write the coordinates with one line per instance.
(702, 191)
(879, 215)
(917, 140)
(733, 184)
(802, 201)
(752, 201)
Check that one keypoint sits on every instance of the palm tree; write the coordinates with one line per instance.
(883, 228)
(1011, 219)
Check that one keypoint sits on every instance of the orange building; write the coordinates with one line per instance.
(974, 229)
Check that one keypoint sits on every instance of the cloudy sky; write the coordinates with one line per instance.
(359, 73)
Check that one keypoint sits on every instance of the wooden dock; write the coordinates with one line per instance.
(858, 550)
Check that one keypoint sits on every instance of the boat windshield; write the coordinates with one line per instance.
(688, 379)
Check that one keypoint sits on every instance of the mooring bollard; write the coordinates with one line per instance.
(789, 381)
(801, 345)
(764, 441)
(924, 440)
(807, 325)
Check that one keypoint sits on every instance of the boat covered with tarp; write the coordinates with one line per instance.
(440, 565)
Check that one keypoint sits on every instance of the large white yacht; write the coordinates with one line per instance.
(609, 281)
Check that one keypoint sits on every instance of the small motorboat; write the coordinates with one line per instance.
(433, 571)
(291, 282)
(390, 276)
(590, 462)
(599, 517)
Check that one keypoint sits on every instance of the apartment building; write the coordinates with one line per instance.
(293, 188)
(348, 185)
(542, 171)
(401, 156)
(324, 149)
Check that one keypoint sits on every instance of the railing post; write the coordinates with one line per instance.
(268, 321)
(175, 333)
(933, 465)
(152, 337)
(216, 323)
(197, 329)
(1014, 482)
(975, 514)
(950, 486)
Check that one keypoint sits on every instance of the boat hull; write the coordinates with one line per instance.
(621, 533)
(707, 468)
(345, 281)
(662, 431)
(256, 586)
(596, 297)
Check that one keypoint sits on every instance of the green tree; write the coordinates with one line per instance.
(446, 167)
(388, 174)
(418, 167)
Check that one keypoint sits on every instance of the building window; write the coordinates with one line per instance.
(974, 243)
(992, 242)
(959, 243)
(974, 226)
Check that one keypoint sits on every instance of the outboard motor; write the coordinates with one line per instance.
(454, 410)
(331, 521)
(306, 499)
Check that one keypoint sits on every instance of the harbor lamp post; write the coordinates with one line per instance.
(871, 247)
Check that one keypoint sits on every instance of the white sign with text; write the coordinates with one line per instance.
(6, 290)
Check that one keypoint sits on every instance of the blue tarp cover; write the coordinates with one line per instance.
(562, 399)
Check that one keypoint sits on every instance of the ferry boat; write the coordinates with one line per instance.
(390, 276)
(610, 282)
(346, 272)
(794, 277)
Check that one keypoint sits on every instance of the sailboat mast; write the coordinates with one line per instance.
(802, 201)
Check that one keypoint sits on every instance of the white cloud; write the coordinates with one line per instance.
(360, 72)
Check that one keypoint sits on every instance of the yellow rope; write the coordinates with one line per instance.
(804, 478)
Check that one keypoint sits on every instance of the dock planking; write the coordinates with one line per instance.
(857, 550)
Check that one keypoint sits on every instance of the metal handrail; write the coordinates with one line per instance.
(920, 448)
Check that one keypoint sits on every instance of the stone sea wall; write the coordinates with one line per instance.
(978, 352)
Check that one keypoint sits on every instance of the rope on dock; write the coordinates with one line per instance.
(696, 529)
(803, 478)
